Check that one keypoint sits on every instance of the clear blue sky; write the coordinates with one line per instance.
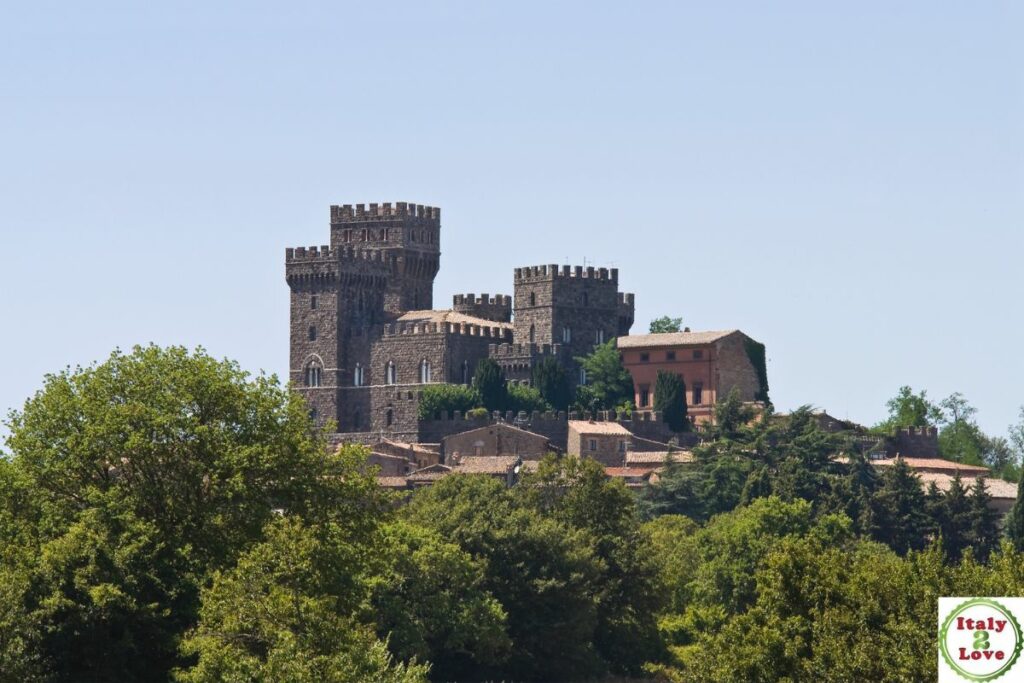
(842, 183)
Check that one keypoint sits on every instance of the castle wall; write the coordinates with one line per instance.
(497, 308)
(734, 369)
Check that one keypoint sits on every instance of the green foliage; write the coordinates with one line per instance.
(552, 381)
(961, 438)
(670, 399)
(609, 384)
(908, 409)
(284, 613)
(1015, 520)
(666, 324)
(438, 398)
(489, 382)
(756, 354)
(525, 398)
(899, 510)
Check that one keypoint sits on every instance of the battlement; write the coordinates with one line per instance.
(482, 300)
(917, 431)
(625, 298)
(349, 213)
(327, 253)
(646, 416)
(400, 329)
(524, 350)
(553, 271)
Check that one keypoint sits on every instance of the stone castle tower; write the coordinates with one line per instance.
(365, 336)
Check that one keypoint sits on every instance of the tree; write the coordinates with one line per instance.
(1015, 520)
(286, 612)
(984, 529)
(908, 409)
(955, 520)
(438, 398)
(552, 381)
(960, 438)
(489, 382)
(666, 324)
(132, 482)
(899, 510)
(670, 399)
(522, 398)
(609, 383)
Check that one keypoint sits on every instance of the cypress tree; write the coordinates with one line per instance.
(552, 381)
(984, 529)
(670, 399)
(1015, 520)
(489, 381)
(899, 517)
(956, 519)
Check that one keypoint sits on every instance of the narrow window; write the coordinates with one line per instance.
(314, 414)
(389, 373)
(698, 354)
(532, 333)
(312, 333)
(645, 395)
(622, 447)
(645, 357)
(313, 375)
(312, 302)
(599, 337)
(566, 335)
(698, 393)
(670, 355)
(424, 371)
(357, 376)
(583, 376)
(533, 299)
(389, 417)
(593, 444)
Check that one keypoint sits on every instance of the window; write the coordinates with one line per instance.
(314, 413)
(645, 357)
(645, 395)
(357, 376)
(599, 337)
(698, 393)
(312, 333)
(670, 355)
(533, 298)
(424, 371)
(566, 335)
(593, 444)
(313, 375)
(532, 334)
(698, 354)
(583, 376)
(312, 302)
(622, 446)
(389, 373)
(389, 417)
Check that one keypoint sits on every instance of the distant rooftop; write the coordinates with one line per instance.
(640, 341)
(587, 427)
(449, 317)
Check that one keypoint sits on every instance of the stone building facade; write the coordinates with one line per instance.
(365, 337)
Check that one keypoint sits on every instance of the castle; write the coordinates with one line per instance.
(365, 336)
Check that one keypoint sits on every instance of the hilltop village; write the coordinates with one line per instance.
(366, 340)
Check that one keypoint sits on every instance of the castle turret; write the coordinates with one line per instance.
(407, 237)
(497, 308)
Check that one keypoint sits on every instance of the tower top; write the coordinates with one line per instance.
(358, 213)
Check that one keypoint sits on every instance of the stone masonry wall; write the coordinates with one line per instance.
(735, 369)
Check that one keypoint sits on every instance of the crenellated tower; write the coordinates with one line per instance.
(407, 238)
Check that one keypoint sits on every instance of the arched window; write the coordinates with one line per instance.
(533, 299)
(312, 333)
(389, 372)
(389, 417)
(357, 375)
(313, 374)
(424, 371)
(532, 339)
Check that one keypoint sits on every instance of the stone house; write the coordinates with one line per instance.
(710, 363)
(498, 439)
(606, 442)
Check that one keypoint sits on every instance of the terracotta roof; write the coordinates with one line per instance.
(935, 464)
(449, 317)
(640, 341)
(430, 473)
(997, 488)
(486, 464)
(657, 457)
(392, 482)
(587, 427)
